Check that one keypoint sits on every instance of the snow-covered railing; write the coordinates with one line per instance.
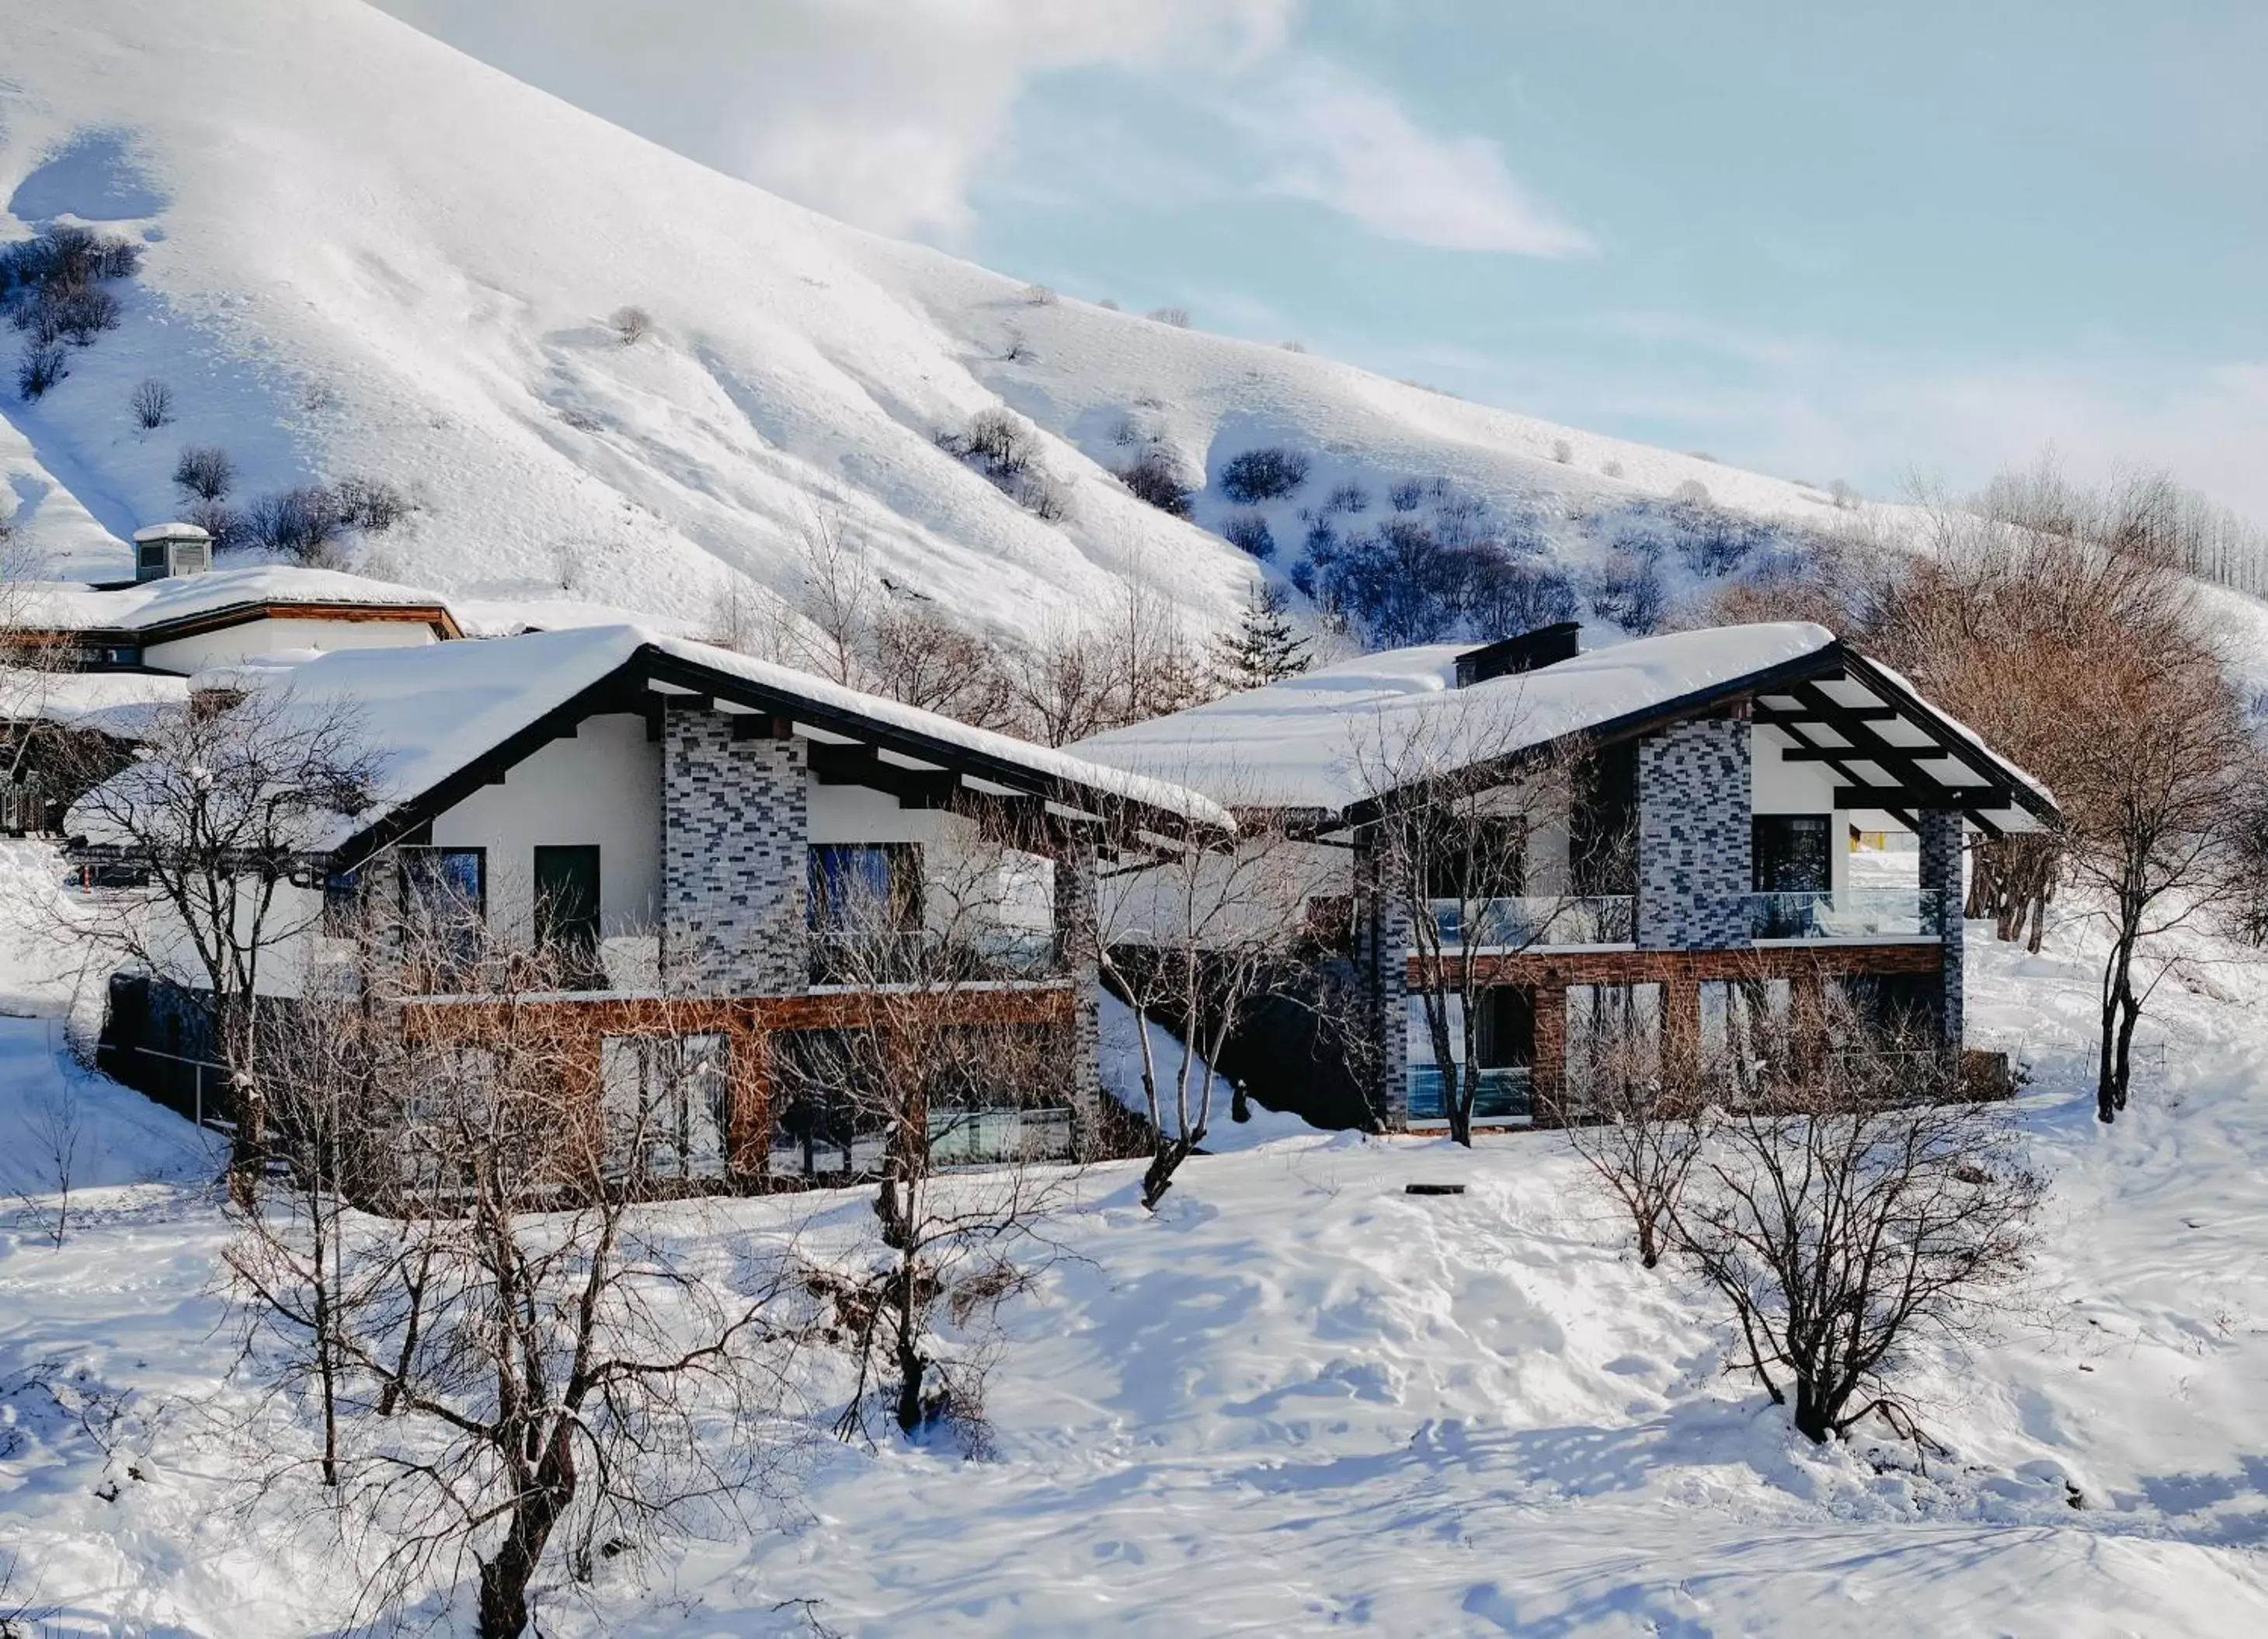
(1855, 914)
(1515, 923)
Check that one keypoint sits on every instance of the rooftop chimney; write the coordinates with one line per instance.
(1530, 651)
(166, 550)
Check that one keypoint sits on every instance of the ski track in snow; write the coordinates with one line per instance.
(1297, 1398)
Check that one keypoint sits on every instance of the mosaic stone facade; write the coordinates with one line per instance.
(734, 829)
(1940, 871)
(1693, 841)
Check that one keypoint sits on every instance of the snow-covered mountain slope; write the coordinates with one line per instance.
(369, 255)
(1297, 1398)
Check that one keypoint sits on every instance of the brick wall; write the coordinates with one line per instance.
(732, 859)
(1694, 803)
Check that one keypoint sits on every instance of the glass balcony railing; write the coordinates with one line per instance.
(1517, 924)
(1502, 1093)
(867, 957)
(1858, 913)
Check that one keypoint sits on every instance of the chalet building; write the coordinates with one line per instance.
(1708, 862)
(93, 661)
(735, 862)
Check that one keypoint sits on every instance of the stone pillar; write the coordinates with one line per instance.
(1940, 871)
(1077, 931)
(734, 860)
(1694, 803)
(1382, 961)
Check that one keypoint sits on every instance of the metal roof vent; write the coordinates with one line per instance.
(1530, 651)
(166, 549)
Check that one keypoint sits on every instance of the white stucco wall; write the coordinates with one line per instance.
(602, 786)
(231, 643)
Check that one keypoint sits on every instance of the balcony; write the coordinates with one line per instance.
(1503, 1094)
(1861, 914)
(866, 959)
(1539, 919)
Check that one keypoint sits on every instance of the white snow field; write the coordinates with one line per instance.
(370, 256)
(1298, 1399)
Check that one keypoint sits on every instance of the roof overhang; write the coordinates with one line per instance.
(435, 616)
(1890, 750)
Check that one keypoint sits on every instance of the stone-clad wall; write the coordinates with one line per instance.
(734, 859)
(1076, 932)
(1940, 870)
(1694, 805)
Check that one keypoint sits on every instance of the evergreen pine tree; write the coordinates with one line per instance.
(1264, 649)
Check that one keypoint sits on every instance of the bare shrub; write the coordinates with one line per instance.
(1692, 490)
(1293, 347)
(369, 504)
(1350, 497)
(1156, 475)
(37, 372)
(220, 520)
(1845, 498)
(205, 472)
(1003, 447)
(923, 658)
(1037, 296)
(1262, 475)
(1508, 597)
(1407, 496)
(1613, 469)
(1248, 532)
(1178, 317)
(1562, 451)
(1849, 1204)
(80, 314)
(152, 403)
(1627, 589)
(299, 521)
(630, 324)
(55, 1125)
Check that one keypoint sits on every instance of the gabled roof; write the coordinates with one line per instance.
(179, 605)
(442, 720)
(1338, 742)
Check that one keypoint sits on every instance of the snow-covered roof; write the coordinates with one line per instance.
(1330, 739)
(1339, 736)
(72, 606)
(115, 702)
(429, 713)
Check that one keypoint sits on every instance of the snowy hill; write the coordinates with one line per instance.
(368, 255)
(1296, 1400)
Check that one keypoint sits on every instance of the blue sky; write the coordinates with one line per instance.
(1857, 241)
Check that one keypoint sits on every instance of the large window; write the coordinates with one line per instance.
(1790, 854)
(864, 887)
(444, 883)
(666, 1101)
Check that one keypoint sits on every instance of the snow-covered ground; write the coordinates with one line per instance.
(1299, 1398)
(369, 255)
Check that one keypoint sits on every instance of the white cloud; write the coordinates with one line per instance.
(880, 111)
(1343, 142)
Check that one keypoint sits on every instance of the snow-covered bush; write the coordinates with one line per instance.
(204, 471)
(1693, 491)
(369, 504)
(1407, 496)
(1248, 532)
(39, 370)
(217, 519)
(1156, 476)
(1262, 475)
(630, 324)
(1627, 589)
(1001, 446)
(1037, 296)
(152, 403)
(1178, 317)
(1562, 451)
(1351, 498)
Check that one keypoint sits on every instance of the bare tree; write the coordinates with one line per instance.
(1193, 937)
(1636, 1103)
(213, 817)
(1466, 810)
(923, 658)
(630, 324)
(1850, 1203)
(152, 403)
(520, 1365)
(205, 472)
(55, 1123)
(933, 1071)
